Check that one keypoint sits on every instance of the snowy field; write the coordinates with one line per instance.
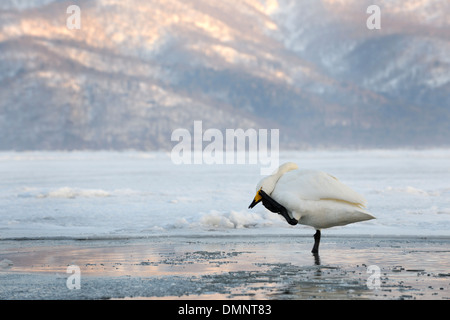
(113, 195)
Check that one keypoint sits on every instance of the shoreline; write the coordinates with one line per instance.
(226, 235)
(278, 267)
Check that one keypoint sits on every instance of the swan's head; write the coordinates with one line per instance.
(268, 183)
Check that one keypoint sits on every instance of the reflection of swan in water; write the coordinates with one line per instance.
(316, 258)
(322, 282)
(311, 198)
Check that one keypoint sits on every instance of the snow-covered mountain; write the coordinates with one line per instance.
(137, 70)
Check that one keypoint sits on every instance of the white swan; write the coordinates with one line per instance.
(312, 198)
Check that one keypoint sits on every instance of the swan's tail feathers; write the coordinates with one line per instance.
(363, 215)
(350, 216)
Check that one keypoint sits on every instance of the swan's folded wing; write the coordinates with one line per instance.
(317, 185)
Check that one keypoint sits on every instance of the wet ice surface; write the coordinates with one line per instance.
(228, 267)
(191, 235)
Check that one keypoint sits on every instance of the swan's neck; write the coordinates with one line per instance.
(284, 168)
(272, 180)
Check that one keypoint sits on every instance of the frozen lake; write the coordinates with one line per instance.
(138, 194)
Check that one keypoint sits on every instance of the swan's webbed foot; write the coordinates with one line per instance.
(289, 220)
(275, 207)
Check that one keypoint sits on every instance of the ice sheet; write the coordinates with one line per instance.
(139, 194)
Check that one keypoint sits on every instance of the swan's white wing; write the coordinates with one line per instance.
(319, 199)
(316, 185)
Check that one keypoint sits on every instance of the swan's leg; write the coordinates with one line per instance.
(285, 214)
(315, 249)
(274, 206)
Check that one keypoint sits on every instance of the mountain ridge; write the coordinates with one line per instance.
(138, 70)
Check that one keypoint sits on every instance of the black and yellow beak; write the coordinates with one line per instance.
(255, 201)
